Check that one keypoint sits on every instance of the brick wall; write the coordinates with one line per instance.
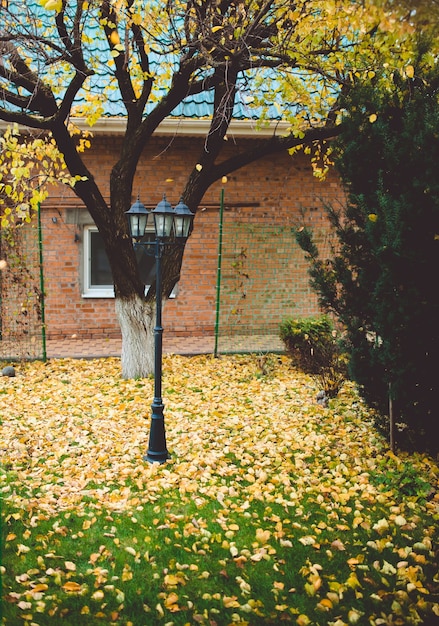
(272, 192)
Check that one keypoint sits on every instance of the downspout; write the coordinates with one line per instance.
(218, 275)
(42, 293)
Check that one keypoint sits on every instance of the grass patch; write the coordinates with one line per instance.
(271, 510)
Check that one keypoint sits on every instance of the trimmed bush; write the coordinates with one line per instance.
(315, 348)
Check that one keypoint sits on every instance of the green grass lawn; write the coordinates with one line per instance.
(271, 510)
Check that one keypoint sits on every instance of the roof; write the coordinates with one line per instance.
(192, 116)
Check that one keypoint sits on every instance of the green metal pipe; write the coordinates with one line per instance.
(218, 275)
(42, 296)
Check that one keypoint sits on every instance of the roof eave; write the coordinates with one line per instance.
(191, 127)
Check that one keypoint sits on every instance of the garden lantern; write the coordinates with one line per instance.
(168, 222)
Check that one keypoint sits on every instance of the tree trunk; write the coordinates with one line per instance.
(136, 319)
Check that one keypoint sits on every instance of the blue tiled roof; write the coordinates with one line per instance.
(199, 106)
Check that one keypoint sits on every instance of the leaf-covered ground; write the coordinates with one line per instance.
(271, 510)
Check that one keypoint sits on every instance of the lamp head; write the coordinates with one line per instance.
(137, 219)
(183, 219)
(163, 216)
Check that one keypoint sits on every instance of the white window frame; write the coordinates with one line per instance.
(105, 291)
(89, 290)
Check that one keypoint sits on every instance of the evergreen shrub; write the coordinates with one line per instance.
(314, 347)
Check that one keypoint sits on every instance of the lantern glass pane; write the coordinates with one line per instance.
(163, 224)
(181, 226)
(138, 225)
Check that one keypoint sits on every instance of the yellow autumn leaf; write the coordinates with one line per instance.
(308, 540)
(373, 118)
(352, 582)
(354, 616)
(310, 589)
(410, 71)
(53, 5)
(22, 549)
(231, 602)
(324, 605)
(94, 557)
(171, 600)
(127, 574)
(381, 526)
(39, 588)
(171, 580)
(233, 550)
(72, 587)
(98, 595)
(114, 37)
(262, 536)
(136, 18)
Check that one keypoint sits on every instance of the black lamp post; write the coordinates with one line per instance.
(171, 228)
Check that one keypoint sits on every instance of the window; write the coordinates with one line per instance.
(97, 280)
(97, 277)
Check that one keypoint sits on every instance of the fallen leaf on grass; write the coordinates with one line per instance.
(72, 587)
(171, 603)
(172, 580)
(231, 602)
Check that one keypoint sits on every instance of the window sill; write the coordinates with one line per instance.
(99, 293)
(109, 293)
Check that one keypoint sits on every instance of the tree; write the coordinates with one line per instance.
(379, 282)
(296, 55)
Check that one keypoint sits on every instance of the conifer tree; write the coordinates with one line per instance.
(381, 282)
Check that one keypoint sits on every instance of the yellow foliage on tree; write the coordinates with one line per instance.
(28, 166)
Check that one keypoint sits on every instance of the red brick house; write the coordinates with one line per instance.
(263, 276)
(263, 273)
